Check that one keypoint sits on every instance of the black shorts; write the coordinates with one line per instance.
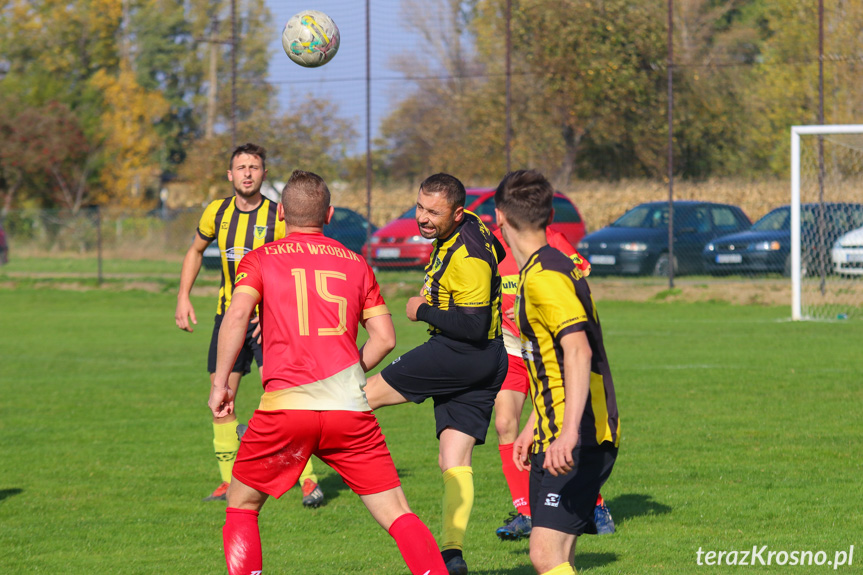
(251, 350)
(462, 378)
(565, 503)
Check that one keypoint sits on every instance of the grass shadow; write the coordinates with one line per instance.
(629, 505)
(332, 486)
(6, 493)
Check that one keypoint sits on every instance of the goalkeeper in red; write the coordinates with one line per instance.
(313, 295)
(571, 440)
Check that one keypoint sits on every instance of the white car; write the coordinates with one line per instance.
(847, 253)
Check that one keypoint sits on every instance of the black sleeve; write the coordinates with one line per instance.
(460, 326)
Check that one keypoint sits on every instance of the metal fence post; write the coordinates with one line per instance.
(99, 242)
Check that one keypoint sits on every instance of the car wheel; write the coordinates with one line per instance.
(660, 268)
(786, 269)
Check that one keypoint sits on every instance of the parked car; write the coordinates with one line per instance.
(766, 246)
(4, 246)
(637, 242)
(847, 253)
(346, 226)
(399, 244)
(350, 229)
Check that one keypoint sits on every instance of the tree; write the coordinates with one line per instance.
(128, 131)
(311, 137)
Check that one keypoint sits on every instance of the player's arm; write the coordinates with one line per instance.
(232, 335)
(382, 340)
(455, 324)
(188, 274)
(577, 357)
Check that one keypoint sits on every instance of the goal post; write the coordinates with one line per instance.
(826, 183)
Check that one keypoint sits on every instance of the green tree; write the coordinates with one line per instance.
(784, 88)
(310, 137)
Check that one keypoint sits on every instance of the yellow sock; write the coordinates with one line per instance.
(457, 505)
(308, 473)
(562, 569)
(226, 444)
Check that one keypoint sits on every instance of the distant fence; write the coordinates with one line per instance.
(699, 253)
(94, 229)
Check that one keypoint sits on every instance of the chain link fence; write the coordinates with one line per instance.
(715, 251)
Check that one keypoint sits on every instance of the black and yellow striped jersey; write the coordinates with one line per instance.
(462, 273)
(554, 300)
(237, 233)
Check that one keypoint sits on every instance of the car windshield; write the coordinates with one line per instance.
(778, 219)
(647, 216)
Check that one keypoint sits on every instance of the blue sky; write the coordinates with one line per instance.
(343, 79)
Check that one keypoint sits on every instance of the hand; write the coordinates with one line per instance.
(510, 313)
(521, 449)
(558, 456)
(221, 400)
(412, 306)
(183, 313)
(256, 333)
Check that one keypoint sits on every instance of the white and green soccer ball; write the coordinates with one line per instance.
(310, 38)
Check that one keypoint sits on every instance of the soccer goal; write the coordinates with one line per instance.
(826, 209)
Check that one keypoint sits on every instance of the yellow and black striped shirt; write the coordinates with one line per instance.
(554, 300)
(462, 273)
(237, 233)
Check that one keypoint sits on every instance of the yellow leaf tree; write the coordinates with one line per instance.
(130, 141)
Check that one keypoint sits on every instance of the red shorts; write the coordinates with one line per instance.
(517, 377)
(277, 445)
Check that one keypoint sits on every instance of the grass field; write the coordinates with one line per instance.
(739, 429)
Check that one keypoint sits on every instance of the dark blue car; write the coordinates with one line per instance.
(347, 227)
(637, 243)
(766, 246)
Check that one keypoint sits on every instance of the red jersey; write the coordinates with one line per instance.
(509, 277)
(314, 293)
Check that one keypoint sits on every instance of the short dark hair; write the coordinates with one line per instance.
(252, 150)
(525, 198)
(445, 184)
(305, 199)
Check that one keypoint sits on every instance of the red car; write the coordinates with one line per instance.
(400, 245)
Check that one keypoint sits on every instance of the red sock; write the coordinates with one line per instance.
(517, 481)
(417, 546)
(242, 542)
(599, 499)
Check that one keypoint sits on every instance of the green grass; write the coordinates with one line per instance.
(739, 429)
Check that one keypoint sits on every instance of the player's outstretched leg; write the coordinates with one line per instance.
(414, 540)
(417, 545)
(242, 541)
(312, 494)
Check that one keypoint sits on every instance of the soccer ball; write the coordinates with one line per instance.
(310, 38)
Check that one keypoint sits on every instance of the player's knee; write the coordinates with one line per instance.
(506, 427)
(541, 561)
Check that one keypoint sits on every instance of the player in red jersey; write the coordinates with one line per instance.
(510, 400)
(313, 294)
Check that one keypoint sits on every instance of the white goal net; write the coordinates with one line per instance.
(827, 222)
